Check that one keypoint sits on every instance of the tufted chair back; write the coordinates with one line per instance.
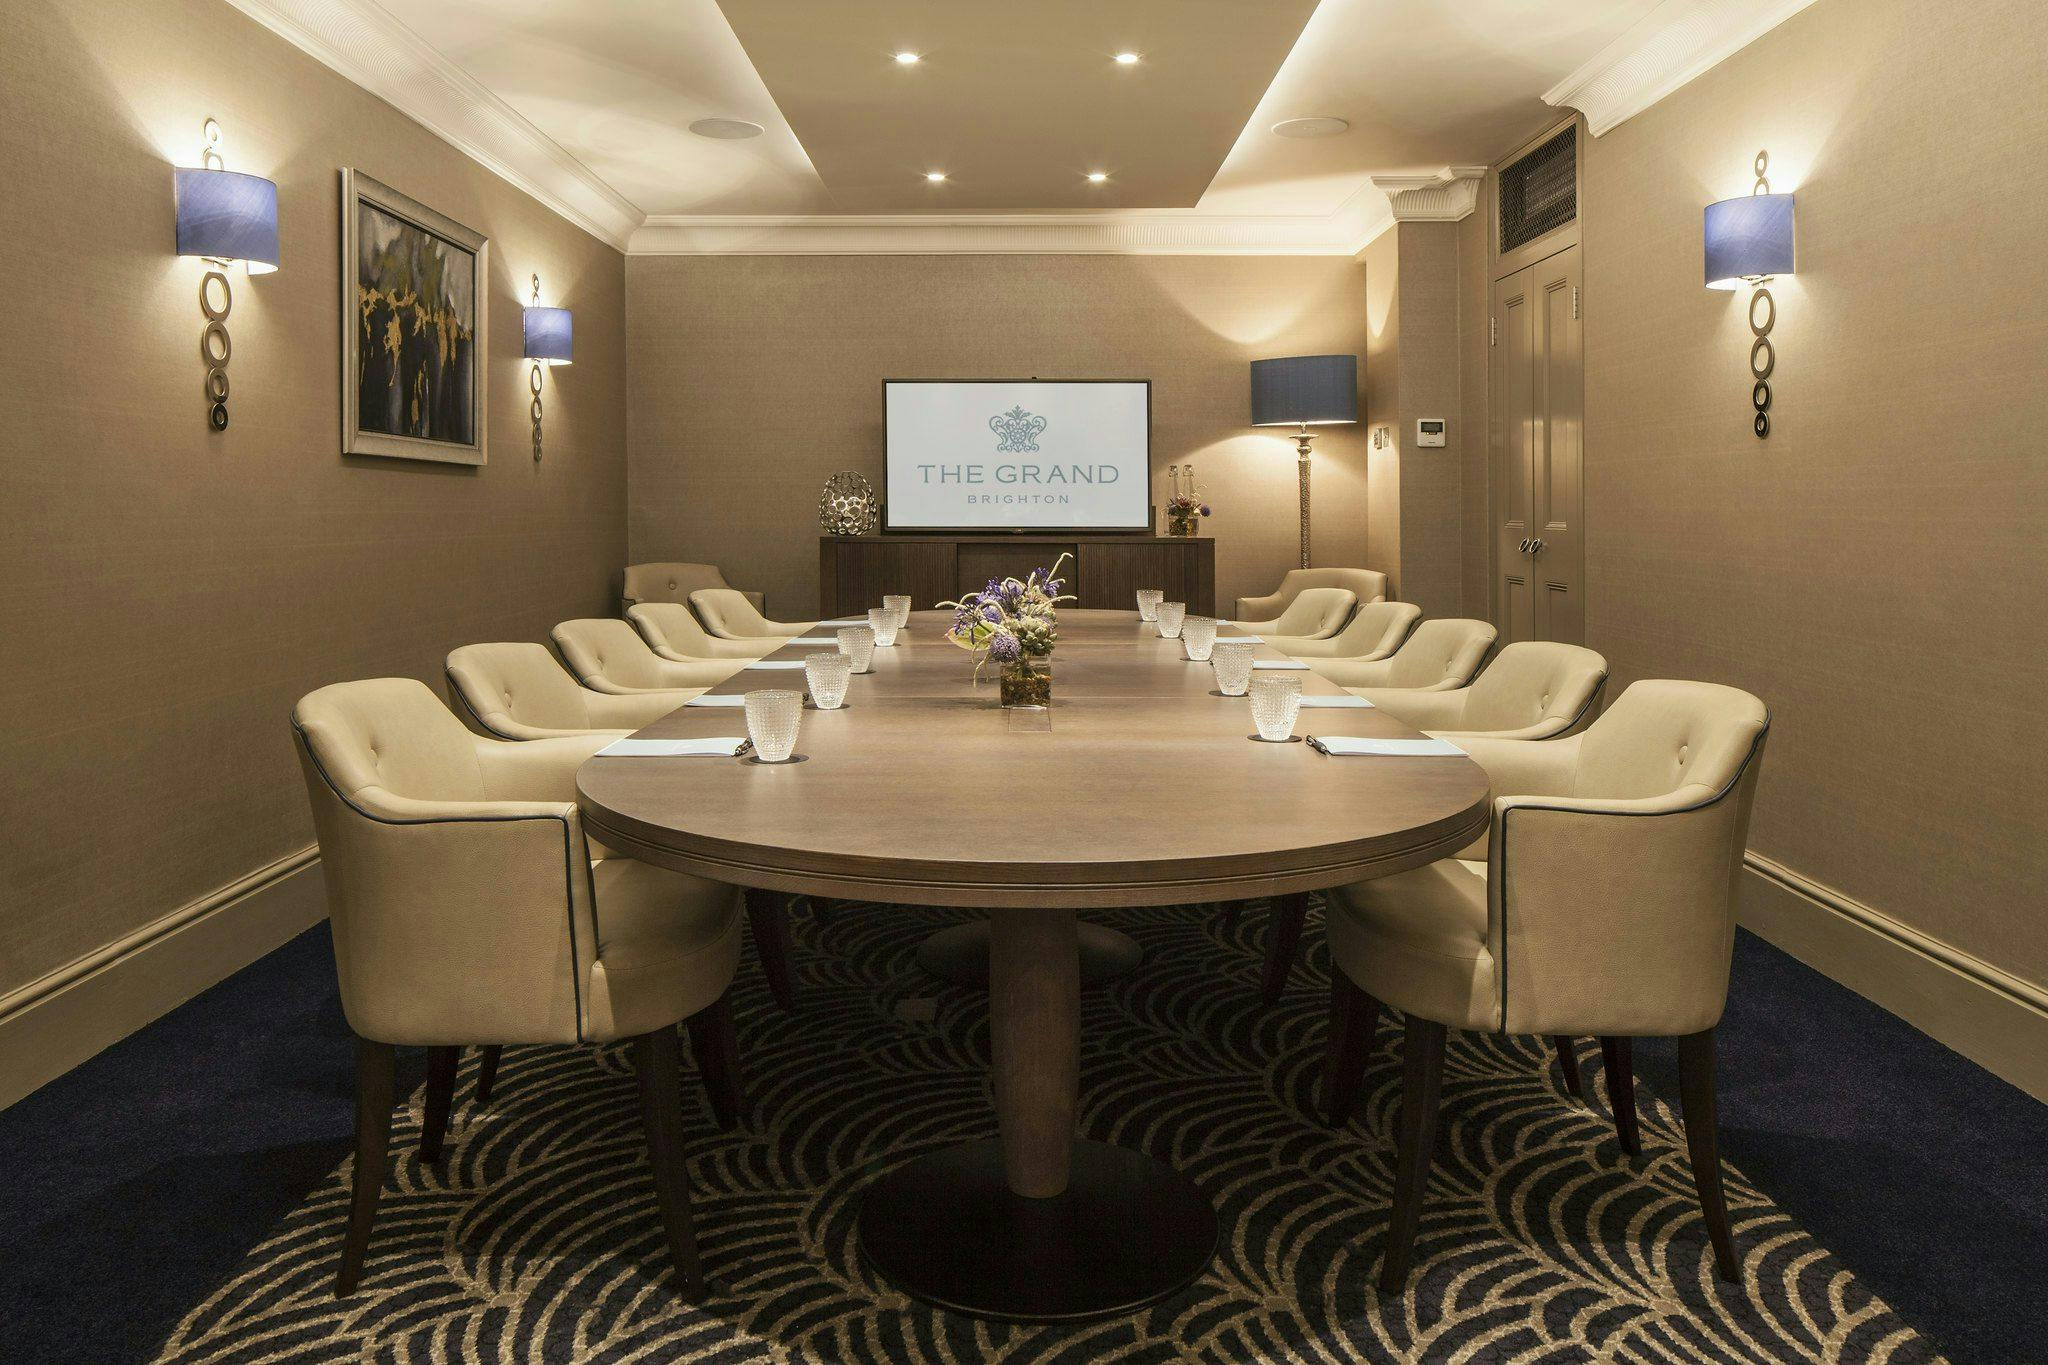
(1374, 631)
(1665, 735)
(1440, 655)
(393, 735)
(673, 582)
(610, 656)
(518, 683)
(673, 632)
(1316, 613)
(1365, 585)
(1534, 684)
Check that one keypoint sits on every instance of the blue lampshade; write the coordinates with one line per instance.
(1311, 390)
(1747, 238)
(549, 335)
(228, 216)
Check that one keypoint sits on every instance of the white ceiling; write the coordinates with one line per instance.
(616, 83)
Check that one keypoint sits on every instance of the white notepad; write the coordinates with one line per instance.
(1339, 699)
(784, 664)
(1278, 663)
(1345, 745)
(722, 747)
(813, 640)
(717, 699)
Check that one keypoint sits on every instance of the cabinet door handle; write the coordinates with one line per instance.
(1525, 545)
(1536, 546)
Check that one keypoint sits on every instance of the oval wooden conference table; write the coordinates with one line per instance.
(1140, 785)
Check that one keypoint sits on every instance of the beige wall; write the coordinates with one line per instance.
(1877, 569)
(755, 377)
(168, 591)
(1469, 427)
(1380, 401)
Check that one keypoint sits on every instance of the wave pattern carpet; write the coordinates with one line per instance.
(536, 1237)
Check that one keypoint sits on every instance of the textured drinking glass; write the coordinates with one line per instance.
(772, 716)
(1171, 614)
(1275, 702)
(882, 621)
(1198, 636)
(858, 644)
(899, 606)
(1148, 603)
(827, 676)
(1233, 660)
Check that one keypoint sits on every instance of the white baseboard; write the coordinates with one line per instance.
(1994, 1018)
(59, 1020)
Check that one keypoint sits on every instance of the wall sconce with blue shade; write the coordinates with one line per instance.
(1304, 391)
(223, 217)
(1750, 241)
(550, 337)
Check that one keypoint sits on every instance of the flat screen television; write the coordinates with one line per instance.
(1018, 454)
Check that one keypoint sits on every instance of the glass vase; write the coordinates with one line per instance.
(1027, 682)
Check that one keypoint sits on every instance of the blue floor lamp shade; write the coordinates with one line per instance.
(1748, 238)
(1304, 390)
(550, 335)
(228, 216)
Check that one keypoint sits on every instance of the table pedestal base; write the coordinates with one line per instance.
(946, 1230)
(959, 955)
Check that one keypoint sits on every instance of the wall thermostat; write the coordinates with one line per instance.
(1429, 431)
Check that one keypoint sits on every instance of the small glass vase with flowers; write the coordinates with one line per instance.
(1184, 504)
(1013, 623)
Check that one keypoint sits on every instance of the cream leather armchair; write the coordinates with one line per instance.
(1439, 656)
(1260, 613)
(518, 691)
(1533, 689)
(1606, 906)
(610, 656)
(675, 583)
(673, 632)
(731, 616)
(1315, 613)
(466, 909)
(1373, 632)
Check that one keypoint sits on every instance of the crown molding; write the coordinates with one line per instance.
(1444, 196)
(1136, 232)
(366, 45)
(1669, 46)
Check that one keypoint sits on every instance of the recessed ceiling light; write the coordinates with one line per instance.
(935, 176)
(1126, 59)
(1311, 127)
(725, 129)
(1097, 177)
(909, 58)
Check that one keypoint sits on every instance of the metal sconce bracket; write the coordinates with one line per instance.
(534, 381)
(1763, 357)
(214, 336)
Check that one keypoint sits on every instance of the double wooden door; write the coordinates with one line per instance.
(1536, 444)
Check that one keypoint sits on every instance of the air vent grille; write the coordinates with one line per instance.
(1540, 193)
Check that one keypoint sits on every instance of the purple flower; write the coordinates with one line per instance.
(1004, 650)
(1205, 509)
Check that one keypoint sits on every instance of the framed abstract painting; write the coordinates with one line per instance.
(415, 286)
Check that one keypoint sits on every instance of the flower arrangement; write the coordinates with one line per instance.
(1015, 622)
(1183, 501)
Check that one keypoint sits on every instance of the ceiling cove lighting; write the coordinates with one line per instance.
(1126, 59)
(1749, 240)
(223, 217)
(549, 336)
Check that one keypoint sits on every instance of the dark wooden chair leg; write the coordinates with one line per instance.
(768, 914)
(376, 1070)
(655, 1057)
(1568, 1062)
(487, 1072)
(1231, 910)
(1696, 1099)
(821, 908)
(1354, 1016)
(1283, 935)
(440, 1098)
(1422, 1074)
(717, 1051)
(1619, 1059)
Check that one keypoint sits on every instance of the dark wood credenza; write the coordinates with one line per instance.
(855, 571)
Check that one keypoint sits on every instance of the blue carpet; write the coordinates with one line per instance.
(135, 1183)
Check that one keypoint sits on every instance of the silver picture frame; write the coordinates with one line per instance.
(459, 404)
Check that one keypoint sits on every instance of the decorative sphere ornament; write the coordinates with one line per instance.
(847, 507)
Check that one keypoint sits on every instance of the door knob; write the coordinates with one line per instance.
(1536, 546)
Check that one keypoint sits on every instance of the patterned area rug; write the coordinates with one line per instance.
(537, 1238)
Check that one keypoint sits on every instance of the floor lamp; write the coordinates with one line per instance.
(1304, 391)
